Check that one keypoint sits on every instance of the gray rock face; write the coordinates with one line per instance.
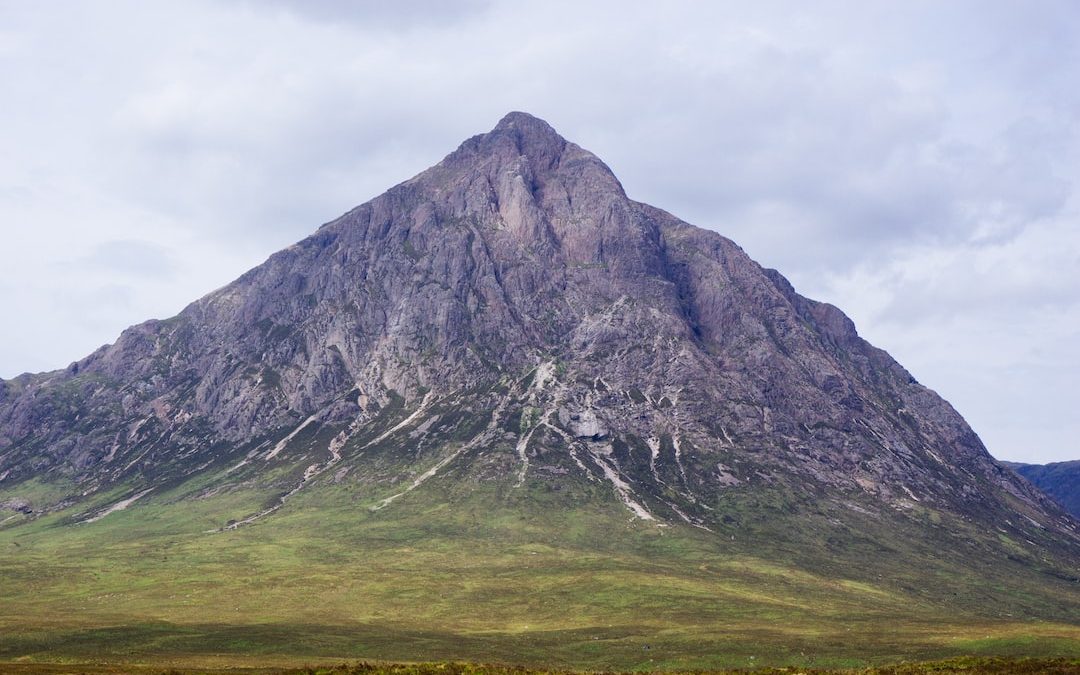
(516, 277)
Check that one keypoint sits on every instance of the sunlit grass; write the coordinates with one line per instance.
(483, 573)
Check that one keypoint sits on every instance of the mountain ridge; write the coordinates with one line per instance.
(1060, 480)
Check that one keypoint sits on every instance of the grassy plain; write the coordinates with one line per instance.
(958, 666)
(547, 576)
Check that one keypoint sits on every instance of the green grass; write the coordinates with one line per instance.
(958, 666)
(467, 568)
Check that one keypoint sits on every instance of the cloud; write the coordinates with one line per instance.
(137, 259)
(992, 325)
(379, 15)
(914, 163)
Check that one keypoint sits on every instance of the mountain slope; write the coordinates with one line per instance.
(1060, 480)
(508, 336)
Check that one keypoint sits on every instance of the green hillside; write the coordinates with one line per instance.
(552, 574)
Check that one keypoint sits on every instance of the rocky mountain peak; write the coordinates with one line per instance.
(509, 309)
(518, 138)
(548, 194)
(530, 132)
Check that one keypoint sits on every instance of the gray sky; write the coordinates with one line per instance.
(914, 163)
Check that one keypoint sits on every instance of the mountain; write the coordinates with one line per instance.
(507, 354)
(1060, 480)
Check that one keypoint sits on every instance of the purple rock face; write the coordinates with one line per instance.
(585, 332)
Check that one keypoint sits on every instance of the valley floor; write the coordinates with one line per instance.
(563, 579)
(958, 666)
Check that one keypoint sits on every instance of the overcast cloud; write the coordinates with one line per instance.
(914, 163)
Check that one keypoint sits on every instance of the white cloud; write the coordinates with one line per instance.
(993, 326)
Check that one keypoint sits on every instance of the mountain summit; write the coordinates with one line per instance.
(509, 324)
(515, 289)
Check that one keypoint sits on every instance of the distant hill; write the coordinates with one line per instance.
(1060, 480)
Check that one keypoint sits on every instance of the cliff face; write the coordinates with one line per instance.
(512, 310)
